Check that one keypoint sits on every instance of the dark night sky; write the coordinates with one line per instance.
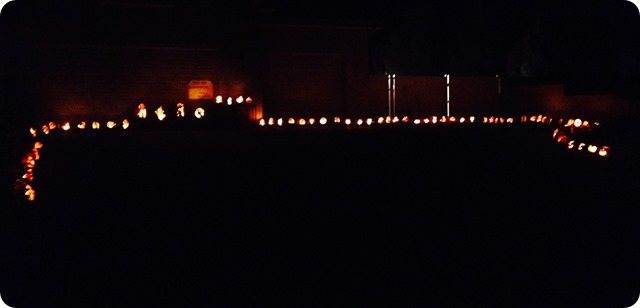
(593, 45)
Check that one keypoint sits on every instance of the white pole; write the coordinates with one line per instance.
(394, 94)
(448, 94)
(389, 93)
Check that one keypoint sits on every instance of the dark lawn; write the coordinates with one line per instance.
(438, 216)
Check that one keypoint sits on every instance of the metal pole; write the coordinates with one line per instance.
(389, 94)
(394, 94)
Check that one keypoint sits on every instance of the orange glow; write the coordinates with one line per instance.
(336, 120)
(142, 111)
(323, 121)
(180, 110)
(199, 113)
(33, 131)
(160, 113)
(261, 122)
(280, 122)
(405, 119)
(219, 99)
(111, 124)
(30, 193)
(562, 139)
(125, 124)
(52, 125)
(291, 121)
(95, 125)
(66, 126)
(586, 123)
(533, 118)
(555, 132)
(82, 125)
(37, 145)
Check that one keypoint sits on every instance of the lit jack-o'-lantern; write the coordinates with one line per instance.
(405, 119)
(472, 119)
(462, 120)
(336, 119)
(82, 125)
(199, 113)
(291, 121)
(160, 113)
(33, 131)
(142, 111)
(359, 122)
(180, 110)
(387, 120)
(581, 146)
(271, 121)
(111, 124)
(571, 145)
(280, 121)
(66, 126)
(452, 119)
(302, 122)
(52, 125)
(604, 151)
(240, 99)
(312, 121)
(395, 120)
(577, 123)
(592, 148)
(510, 120)
(45, 129)
(347, 121)
(369, 121)
(425, 120)
(229, 101)
(380, 120)
(416, 121)
(248, 100)
(125, 124)
(219, 99)
(95, 125)
(262, 122)
(323, 121)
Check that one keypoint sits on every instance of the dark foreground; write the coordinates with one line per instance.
(442, 217)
